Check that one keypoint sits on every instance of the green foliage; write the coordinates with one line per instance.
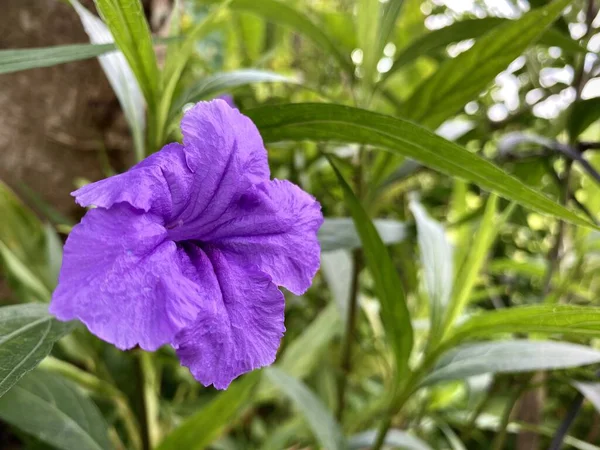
(443, 289)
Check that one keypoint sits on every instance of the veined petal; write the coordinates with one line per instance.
(274, 225)
(240, 331)
(226, 155)
(160, 184)
(125, 281)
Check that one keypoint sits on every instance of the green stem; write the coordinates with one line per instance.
(149, 381)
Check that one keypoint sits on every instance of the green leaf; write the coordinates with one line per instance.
(475, 259)
(329, 122)
(437, 40)
(27, 334)
(280, 13)
(320, 419)
(127, 23)
(393, 438)
(461, 79)
(437, 260)
(509, 356)
(203, 427)
(591, 391)
(217, 83)
(32, 58)
(337, 267)
(394, 312)
(540, 319)
(367, 28)
(120, 76)
(583, 114)
(54, 411)
(340, 233)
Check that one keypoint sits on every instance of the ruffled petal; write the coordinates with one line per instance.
(274, 225)
(238, 332)
(226, 154)
(160, 184)
(125, 281)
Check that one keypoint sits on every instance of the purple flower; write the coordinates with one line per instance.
(188, 247)
(228, 99)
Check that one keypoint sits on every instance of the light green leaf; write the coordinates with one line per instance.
(54, 411)
(280, 13)
(126, 21)
(437, 40)
(119, 75)
(475, 259)
(203, 427)
(393, 438)
(437, 260)
(32, 58)
(320, 419)
(217, 83)
(27, 334)
(367, 28)
(540, 319)
(328, 122)
(461, 79)
(338, 233)
(509, 356)
(394, 312)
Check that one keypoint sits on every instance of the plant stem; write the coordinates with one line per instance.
(346, 359)
(559, 437)
(148, 379)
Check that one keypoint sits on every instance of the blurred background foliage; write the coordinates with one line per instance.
(447, 338)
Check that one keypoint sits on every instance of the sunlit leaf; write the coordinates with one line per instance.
(328, 122)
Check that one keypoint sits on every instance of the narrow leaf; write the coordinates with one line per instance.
(54, 411)
(509, 356)
(583, 114)
(280, 13)
(127, 24)
(32, 58)
(119, 75)
(340, 233)
(27, 334)
(591, 391)
(437, 259)
(199, 430)
(394, 312)
(329, 122)
(320, 419)
(461, 79)
(539, 319)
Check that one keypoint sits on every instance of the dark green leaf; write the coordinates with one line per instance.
(32, 58)
(27, 334)
(546, 319)
(394, 313)
(322, 423)
(461, 79)
(510, 356)
(203, 427)
(280, 13)
(583, 114)
(53, 410)
(328, 122)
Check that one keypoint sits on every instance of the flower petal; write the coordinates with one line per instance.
(239, 332)
(274, 225)
(125, 281)
(226, 154)
(159, 184)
